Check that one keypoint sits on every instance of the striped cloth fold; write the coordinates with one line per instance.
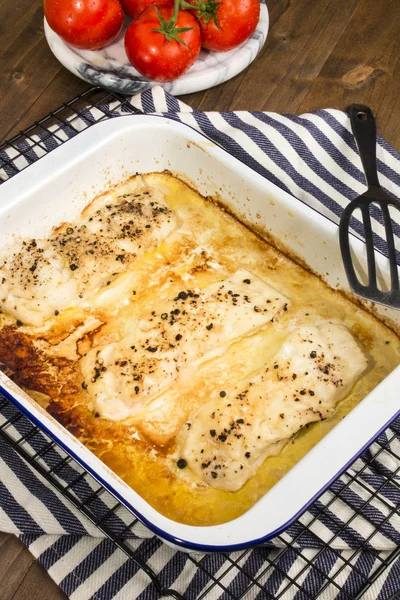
(314, 157)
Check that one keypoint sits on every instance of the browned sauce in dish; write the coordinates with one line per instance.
(195, 359)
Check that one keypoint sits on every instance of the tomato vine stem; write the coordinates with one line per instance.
(168, 28)
(205, 10)
(176, 11)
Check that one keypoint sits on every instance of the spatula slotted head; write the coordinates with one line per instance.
(373, 204)
(370, 200)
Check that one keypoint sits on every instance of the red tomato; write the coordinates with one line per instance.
(88, 24)
(134, 8)
(237, 20)
(158, 56)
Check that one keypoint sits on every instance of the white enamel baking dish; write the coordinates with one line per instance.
(58, 186)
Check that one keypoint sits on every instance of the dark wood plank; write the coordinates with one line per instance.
(37, 585)
(365, 67)
(16, 18)
(50, 99)
(14, 564)
(22, 578)
(27, 64)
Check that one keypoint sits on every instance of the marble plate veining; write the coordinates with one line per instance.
(110, 68)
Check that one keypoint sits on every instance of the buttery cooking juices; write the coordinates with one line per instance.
(194, 313)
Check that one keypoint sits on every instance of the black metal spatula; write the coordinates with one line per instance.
(364, 130)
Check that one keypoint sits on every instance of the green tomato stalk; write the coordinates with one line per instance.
(168, 28)
(206, 10)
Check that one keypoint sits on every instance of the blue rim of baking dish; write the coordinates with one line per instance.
(185, 544)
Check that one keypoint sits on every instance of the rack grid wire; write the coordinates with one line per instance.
(117, 523)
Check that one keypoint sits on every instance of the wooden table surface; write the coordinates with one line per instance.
(319, 54)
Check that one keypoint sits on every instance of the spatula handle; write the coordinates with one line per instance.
(364, 130)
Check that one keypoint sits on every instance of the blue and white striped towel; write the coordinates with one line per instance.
(314, 157)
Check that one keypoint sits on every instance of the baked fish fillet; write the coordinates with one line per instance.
(229, 438)
(168, 343)
(42, 277)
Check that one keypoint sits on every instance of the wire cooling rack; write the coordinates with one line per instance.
(308, 550)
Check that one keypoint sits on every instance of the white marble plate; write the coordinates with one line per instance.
(110, 68)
